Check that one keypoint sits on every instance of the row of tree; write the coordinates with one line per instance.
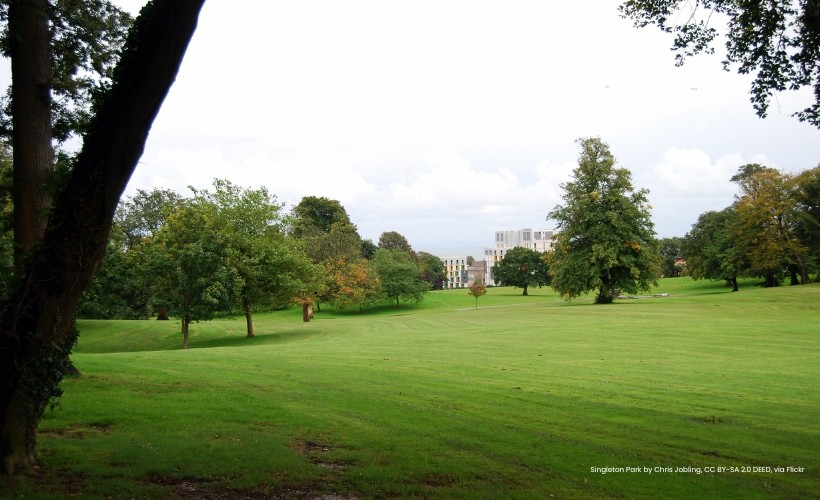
(771, 231)
(606, 241)
(232, 248)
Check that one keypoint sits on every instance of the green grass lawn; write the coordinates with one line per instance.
(522, 398)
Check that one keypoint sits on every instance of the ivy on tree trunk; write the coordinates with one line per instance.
(36, 332)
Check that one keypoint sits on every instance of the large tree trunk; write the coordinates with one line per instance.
(186, 323)
(33, 154)
(36, 327)
(525, 291)
(162, 314)
(604, 293)
(248, 319)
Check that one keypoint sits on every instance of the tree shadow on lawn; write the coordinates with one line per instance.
(259, 339)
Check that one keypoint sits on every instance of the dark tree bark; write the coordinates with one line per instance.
(33, 155)
(186, 324)
(36, 332)
(162, 314)
(248, 319)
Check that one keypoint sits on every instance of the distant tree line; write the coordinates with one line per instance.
(771, 231)
(230, 249)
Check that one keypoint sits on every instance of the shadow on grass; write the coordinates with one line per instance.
(261, 338)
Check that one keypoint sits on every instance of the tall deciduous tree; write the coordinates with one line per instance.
(778, 42)
(432, 270)
(272, 268)
(807, 195)
(767, 224)
(605, 239)
(670, 249)
(393, 240)
(522, 268)
(141, 215)
(317, 213)
(36, 328)
(63, 55)
(399, 275)
(194, 275)
(332, 251)
(710, 249)
(352, 284)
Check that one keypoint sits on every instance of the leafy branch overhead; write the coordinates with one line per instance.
(778, 42)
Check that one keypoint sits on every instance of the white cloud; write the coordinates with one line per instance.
(448, 121)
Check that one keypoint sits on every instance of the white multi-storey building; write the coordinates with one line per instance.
(536, 239)
(455, 272)
(459, 274)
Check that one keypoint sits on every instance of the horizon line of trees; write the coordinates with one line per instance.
(606, 241)
(771, 231)
(230, 249)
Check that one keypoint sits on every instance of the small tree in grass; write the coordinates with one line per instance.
(477, 289)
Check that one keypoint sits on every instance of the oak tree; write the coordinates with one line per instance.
(768, 222)
(522, 268)
(710, 249)
(605, 241)
(271, 267)
(399, 275)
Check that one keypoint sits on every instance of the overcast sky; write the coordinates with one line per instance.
(449, 120)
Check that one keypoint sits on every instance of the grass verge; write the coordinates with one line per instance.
(525, 397)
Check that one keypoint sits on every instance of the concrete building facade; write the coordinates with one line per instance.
(539, 240)
(459, 274)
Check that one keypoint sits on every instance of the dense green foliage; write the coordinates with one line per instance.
(522, 268)
(709, 249)
(314, 213)
(86, 39)
(770, 231)
(671, 250)
(778, 42)
(605, 240)
(399, 275)
(392, 240)
(432, 270)
(518, 399)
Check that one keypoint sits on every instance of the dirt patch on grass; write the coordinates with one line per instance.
(211, 489)
(44, 482)
(206, 489)
(77, 431)
(317, 452)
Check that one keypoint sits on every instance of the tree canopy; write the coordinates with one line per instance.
(399, 275)
(605, 238)
(476, 290)
(778, 42)
(709, 248)
(393, 240)
(317, 214)
(767, 227)
(522, 268)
